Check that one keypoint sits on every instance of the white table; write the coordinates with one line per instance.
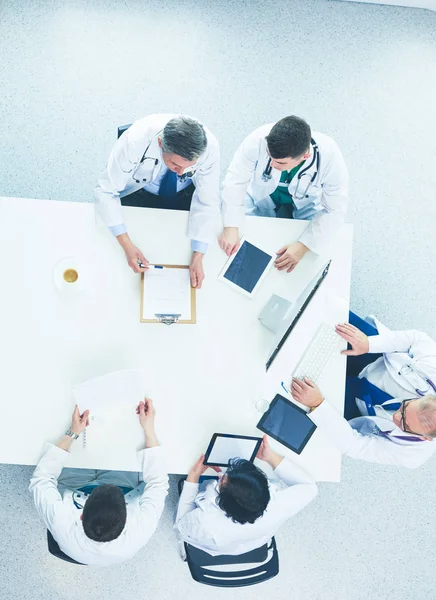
(204, 378)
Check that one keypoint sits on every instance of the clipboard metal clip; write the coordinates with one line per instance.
(167, 319)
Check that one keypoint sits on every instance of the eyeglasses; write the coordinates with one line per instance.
(403, 424)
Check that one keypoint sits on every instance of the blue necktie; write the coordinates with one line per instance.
(168, 186)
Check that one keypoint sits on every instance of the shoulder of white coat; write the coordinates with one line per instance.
(261, 132)
(324, 142)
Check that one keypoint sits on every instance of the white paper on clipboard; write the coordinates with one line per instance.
(167, 291)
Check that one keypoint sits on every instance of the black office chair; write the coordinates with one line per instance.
(199, 562)
(54, 549)
(122, 129)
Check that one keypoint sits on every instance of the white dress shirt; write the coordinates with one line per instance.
(201, 522)
(358, 438)
(62, 518)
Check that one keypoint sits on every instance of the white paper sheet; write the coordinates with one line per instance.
(225, 448)
(112, 397)
(167, 291)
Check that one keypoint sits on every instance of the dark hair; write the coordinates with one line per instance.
(244, 492)
(289, 138)
(185, 137)
(104, 514)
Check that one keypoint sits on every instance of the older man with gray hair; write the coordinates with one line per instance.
(163, 161)
(390, 398)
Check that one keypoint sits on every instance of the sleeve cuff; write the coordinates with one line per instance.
(375, 344)
(118, 229)
(199, 246)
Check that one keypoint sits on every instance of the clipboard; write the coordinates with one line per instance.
(164, 316)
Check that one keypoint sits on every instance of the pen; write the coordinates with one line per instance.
(283, 386)
(148, 266)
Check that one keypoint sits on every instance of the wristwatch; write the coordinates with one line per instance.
(71, 434)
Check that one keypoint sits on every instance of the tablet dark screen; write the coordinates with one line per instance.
(287, 423)
(247, 267)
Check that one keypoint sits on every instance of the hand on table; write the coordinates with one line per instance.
(196, 270)
(288, 257)
(198, 469)
(306, 392)
(79, 422)
(229, 240)
(357, 339)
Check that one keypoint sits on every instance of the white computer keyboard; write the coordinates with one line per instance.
(325, 343)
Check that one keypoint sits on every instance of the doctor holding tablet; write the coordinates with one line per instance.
(243, 510)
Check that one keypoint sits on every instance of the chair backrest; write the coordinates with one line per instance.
(200, 562)
(202, 573)
(54, 549)
(122, 129)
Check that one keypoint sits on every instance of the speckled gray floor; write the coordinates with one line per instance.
(365, 74)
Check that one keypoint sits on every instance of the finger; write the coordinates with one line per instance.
(309, 383)
(235, 247)
(281, 267)
(282, 250)
(349, 353)
(350, 328)
(297, 384)
(76, 412)
(85, 414)
(193, 279)
(135, 267)
(291, 268)
(216, 469)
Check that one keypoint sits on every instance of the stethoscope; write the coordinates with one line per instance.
(406, 369)
(181, 177)
(266, 175)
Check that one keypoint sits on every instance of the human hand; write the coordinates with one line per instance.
(79, 422)
(196, 270)
(134, 257)
(306, 392)
(229, 240)
(146, 412)
(357, 339)
(265, 453)
(288, 257)
(198, 469)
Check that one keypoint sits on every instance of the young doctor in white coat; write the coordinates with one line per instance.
(243, 510)
(390, 397)
(102, 517)
(167, 161)
(285, 170)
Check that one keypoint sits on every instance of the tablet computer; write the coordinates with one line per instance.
(287, 423)
(246, 269)
(223, 447)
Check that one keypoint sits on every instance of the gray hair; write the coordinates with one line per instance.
(185, 137)
(427, 414)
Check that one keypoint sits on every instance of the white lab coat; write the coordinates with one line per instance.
(398, 348)
(124, 170)
(201, 523)
(326, 202)
(62, 518)
(401, 348)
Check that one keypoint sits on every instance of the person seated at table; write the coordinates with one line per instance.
(243, 510)
(286, 170)
(163, 161)
(102, 517)
(390, 400)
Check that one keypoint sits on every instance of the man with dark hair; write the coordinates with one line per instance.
(163, 161)
(243, 510)
(285, 170)
(102, 517)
